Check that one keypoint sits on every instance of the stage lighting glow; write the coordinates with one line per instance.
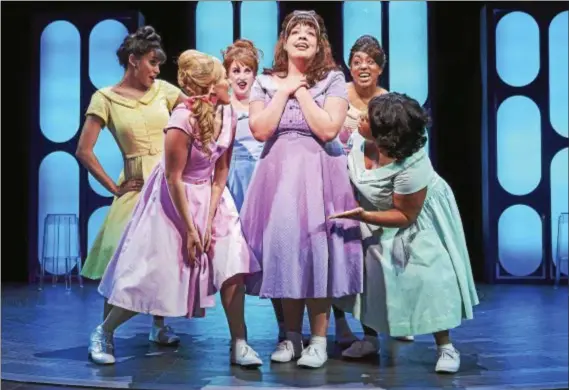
(104, 71)
(517, 49)
(214, 26)
(110, 157)
(520, 240)
(259, 23)
(95, 222)
(360, 18)
(408, 49)
(558, 71)
(58, 194)
(559, 196)
(60, 81)
(104, 40)
(518, 145)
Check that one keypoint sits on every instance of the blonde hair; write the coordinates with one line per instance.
(197, 74)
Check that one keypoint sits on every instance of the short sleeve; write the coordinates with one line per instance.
(99, 107)
(258, 93)
(337, 86)
(171, 92)
(413, 178)
(180, 119)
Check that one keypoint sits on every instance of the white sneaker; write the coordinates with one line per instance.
(405, 338)
(285, 352)
(449, 360)
(313, 357)
(164, 335)
(360, 349)
(245, 356)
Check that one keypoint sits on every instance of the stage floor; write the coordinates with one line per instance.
(518, 339)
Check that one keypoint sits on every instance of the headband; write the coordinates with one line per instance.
(310, 14)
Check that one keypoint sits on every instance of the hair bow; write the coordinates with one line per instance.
(204, 98)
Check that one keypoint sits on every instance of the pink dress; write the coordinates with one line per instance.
(149, 272)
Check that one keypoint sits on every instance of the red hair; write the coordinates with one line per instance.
(242, 51)
(323, 61)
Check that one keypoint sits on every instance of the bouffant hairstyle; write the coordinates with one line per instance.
(398, 124)
(371, 46)
(139, 43)
(242, 51)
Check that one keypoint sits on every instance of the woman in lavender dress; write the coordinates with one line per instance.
(298, 107)
(241, 62)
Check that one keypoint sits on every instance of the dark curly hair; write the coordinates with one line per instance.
(139, 43)
(371, 46)
(398, 124)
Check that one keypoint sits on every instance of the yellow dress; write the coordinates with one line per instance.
(137, 126)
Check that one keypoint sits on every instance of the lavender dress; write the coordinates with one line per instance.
(298, 183)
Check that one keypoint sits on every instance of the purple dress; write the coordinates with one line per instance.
(149, 272)
(298, 183)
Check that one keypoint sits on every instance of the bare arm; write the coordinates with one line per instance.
(405, 210)
(324, 122)
(176, 154)
(264, 120)
(85, 154)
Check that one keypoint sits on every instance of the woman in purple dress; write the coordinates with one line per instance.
(297, 108)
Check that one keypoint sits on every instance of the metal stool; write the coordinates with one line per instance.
(561, 249)
(61, 242)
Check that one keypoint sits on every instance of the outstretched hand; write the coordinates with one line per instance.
(355, 214)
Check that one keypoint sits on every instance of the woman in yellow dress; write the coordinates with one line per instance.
(135, 111)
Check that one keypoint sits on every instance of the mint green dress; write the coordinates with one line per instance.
(418, 280)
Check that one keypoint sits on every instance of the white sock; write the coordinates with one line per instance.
(448, 346)
(239, 343)
(318, 341)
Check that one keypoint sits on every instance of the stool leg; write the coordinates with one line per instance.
(78, 259)
(44, 253)
(557, 255)
(68, 255)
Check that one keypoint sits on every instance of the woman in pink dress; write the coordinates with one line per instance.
(184, 242)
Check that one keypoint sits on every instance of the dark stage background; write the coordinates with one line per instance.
(454, 95)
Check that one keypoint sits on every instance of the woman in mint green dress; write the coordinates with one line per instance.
(418, 278)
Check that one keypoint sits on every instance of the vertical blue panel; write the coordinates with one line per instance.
(520, 240)
(519, 145)
(110, 157)
(408, 49)
(558, 71)
(360, 18)
(517, 49)
(214, 26)
(104, 40)
(95, 222)
(58, 194)
(559, 197)
(60, 81)
(259, 23)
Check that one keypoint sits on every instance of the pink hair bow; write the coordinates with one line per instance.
(204, 98)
